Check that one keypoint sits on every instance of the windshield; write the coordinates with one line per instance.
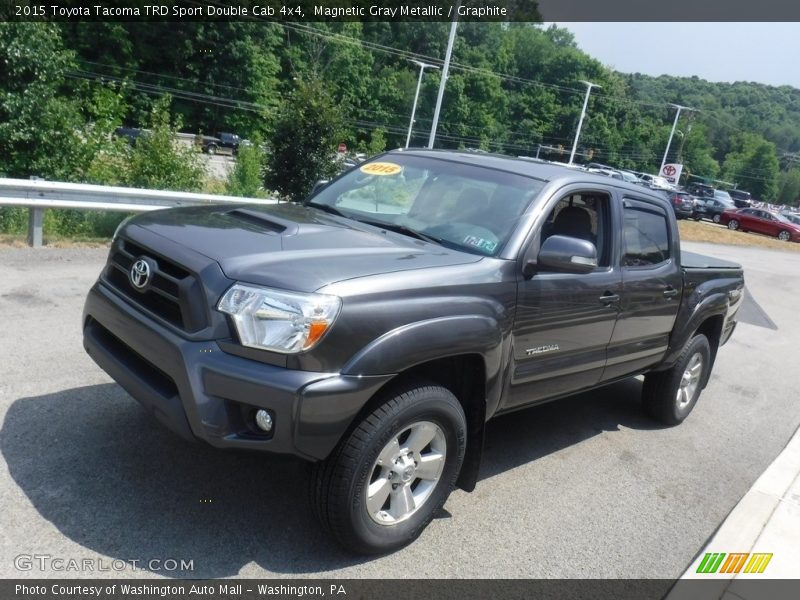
(722, 195)
(794, 218)
(629, 177)
(457, 205)
(781, 218)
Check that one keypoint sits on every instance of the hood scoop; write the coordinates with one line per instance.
(264, 221)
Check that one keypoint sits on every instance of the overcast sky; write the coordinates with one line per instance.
(763, 52)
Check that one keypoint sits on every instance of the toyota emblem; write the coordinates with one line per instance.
(140, 274)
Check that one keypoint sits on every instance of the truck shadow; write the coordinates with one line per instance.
(112, 480)
(520, 437)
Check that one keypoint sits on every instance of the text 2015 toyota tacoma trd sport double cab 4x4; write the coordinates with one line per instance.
(375, 328)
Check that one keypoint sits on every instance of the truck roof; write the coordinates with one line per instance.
(534, 168)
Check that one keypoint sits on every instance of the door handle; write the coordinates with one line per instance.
(609, 298)
(670, 292)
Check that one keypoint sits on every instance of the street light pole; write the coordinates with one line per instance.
(672, 133)
(445, 70)
(422, 67)
(589, 86)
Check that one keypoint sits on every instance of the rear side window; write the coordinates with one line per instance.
(646, 236)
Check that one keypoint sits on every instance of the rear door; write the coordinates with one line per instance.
(751, 220)
(564, 320)
(651, 287)
(771, 225)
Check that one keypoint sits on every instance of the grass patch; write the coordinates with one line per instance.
(12, 240)
(705, 231)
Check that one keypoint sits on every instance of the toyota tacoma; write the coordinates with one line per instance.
(375, 328)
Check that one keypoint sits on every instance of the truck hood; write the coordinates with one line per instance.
(290, 246)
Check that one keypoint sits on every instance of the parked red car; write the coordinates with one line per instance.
(758, 220)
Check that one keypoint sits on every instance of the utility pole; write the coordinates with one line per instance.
(683, 140)
(422, 67)
(445, 70)
(589, 85)
(671, 133)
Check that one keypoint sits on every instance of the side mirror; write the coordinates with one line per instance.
(321, 183)
(567, 254)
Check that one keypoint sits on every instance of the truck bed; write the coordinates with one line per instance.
(692, 260)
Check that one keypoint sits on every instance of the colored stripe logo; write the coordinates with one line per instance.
(720, 562)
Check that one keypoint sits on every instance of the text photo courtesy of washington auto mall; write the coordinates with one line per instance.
(457, 299)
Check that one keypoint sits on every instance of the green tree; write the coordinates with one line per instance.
(698, 153)
(753, 164)
(158, 162)
(790, 187)
(39, 124)
(247, 176)
(377, 141)
(307, 130)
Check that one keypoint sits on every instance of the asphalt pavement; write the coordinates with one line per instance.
(584, 487)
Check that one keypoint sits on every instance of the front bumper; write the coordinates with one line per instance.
(201, 392)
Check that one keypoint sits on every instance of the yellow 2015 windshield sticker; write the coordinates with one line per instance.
(381, 168)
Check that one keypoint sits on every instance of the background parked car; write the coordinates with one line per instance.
(607, 172)
(712, 208)
(701, 190)
(629, 177)
(656, 182)
(793, 217)
(130, 134)
(228, 141)
(725, 197)
(682, 203)
(741, 198)
(761, 221)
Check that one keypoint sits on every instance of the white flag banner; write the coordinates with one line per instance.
(671, 172)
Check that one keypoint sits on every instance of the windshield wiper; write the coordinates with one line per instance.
(404, 230)
(327, 208)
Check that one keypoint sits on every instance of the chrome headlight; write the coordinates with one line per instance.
(279, 321)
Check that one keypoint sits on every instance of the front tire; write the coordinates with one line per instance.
(669, 396)
(784, 236)
(385, 481)
(716, 219)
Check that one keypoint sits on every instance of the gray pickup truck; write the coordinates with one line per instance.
(376, 327)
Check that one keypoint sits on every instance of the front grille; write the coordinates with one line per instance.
(173, 293)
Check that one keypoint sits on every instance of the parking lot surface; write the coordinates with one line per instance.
(584, 487)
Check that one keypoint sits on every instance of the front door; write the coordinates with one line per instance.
(565, 320)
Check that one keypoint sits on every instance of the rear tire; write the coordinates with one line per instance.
(383, 484)
(733, 224)
(669, 396)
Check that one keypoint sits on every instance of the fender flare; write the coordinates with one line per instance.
(431, 339)
(716, 304)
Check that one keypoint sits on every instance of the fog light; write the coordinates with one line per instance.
(264, 420)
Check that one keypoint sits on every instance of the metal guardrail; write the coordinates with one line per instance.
(39, 194)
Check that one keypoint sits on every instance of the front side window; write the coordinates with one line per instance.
(646, 237)
(584, 215)
(462, 206)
